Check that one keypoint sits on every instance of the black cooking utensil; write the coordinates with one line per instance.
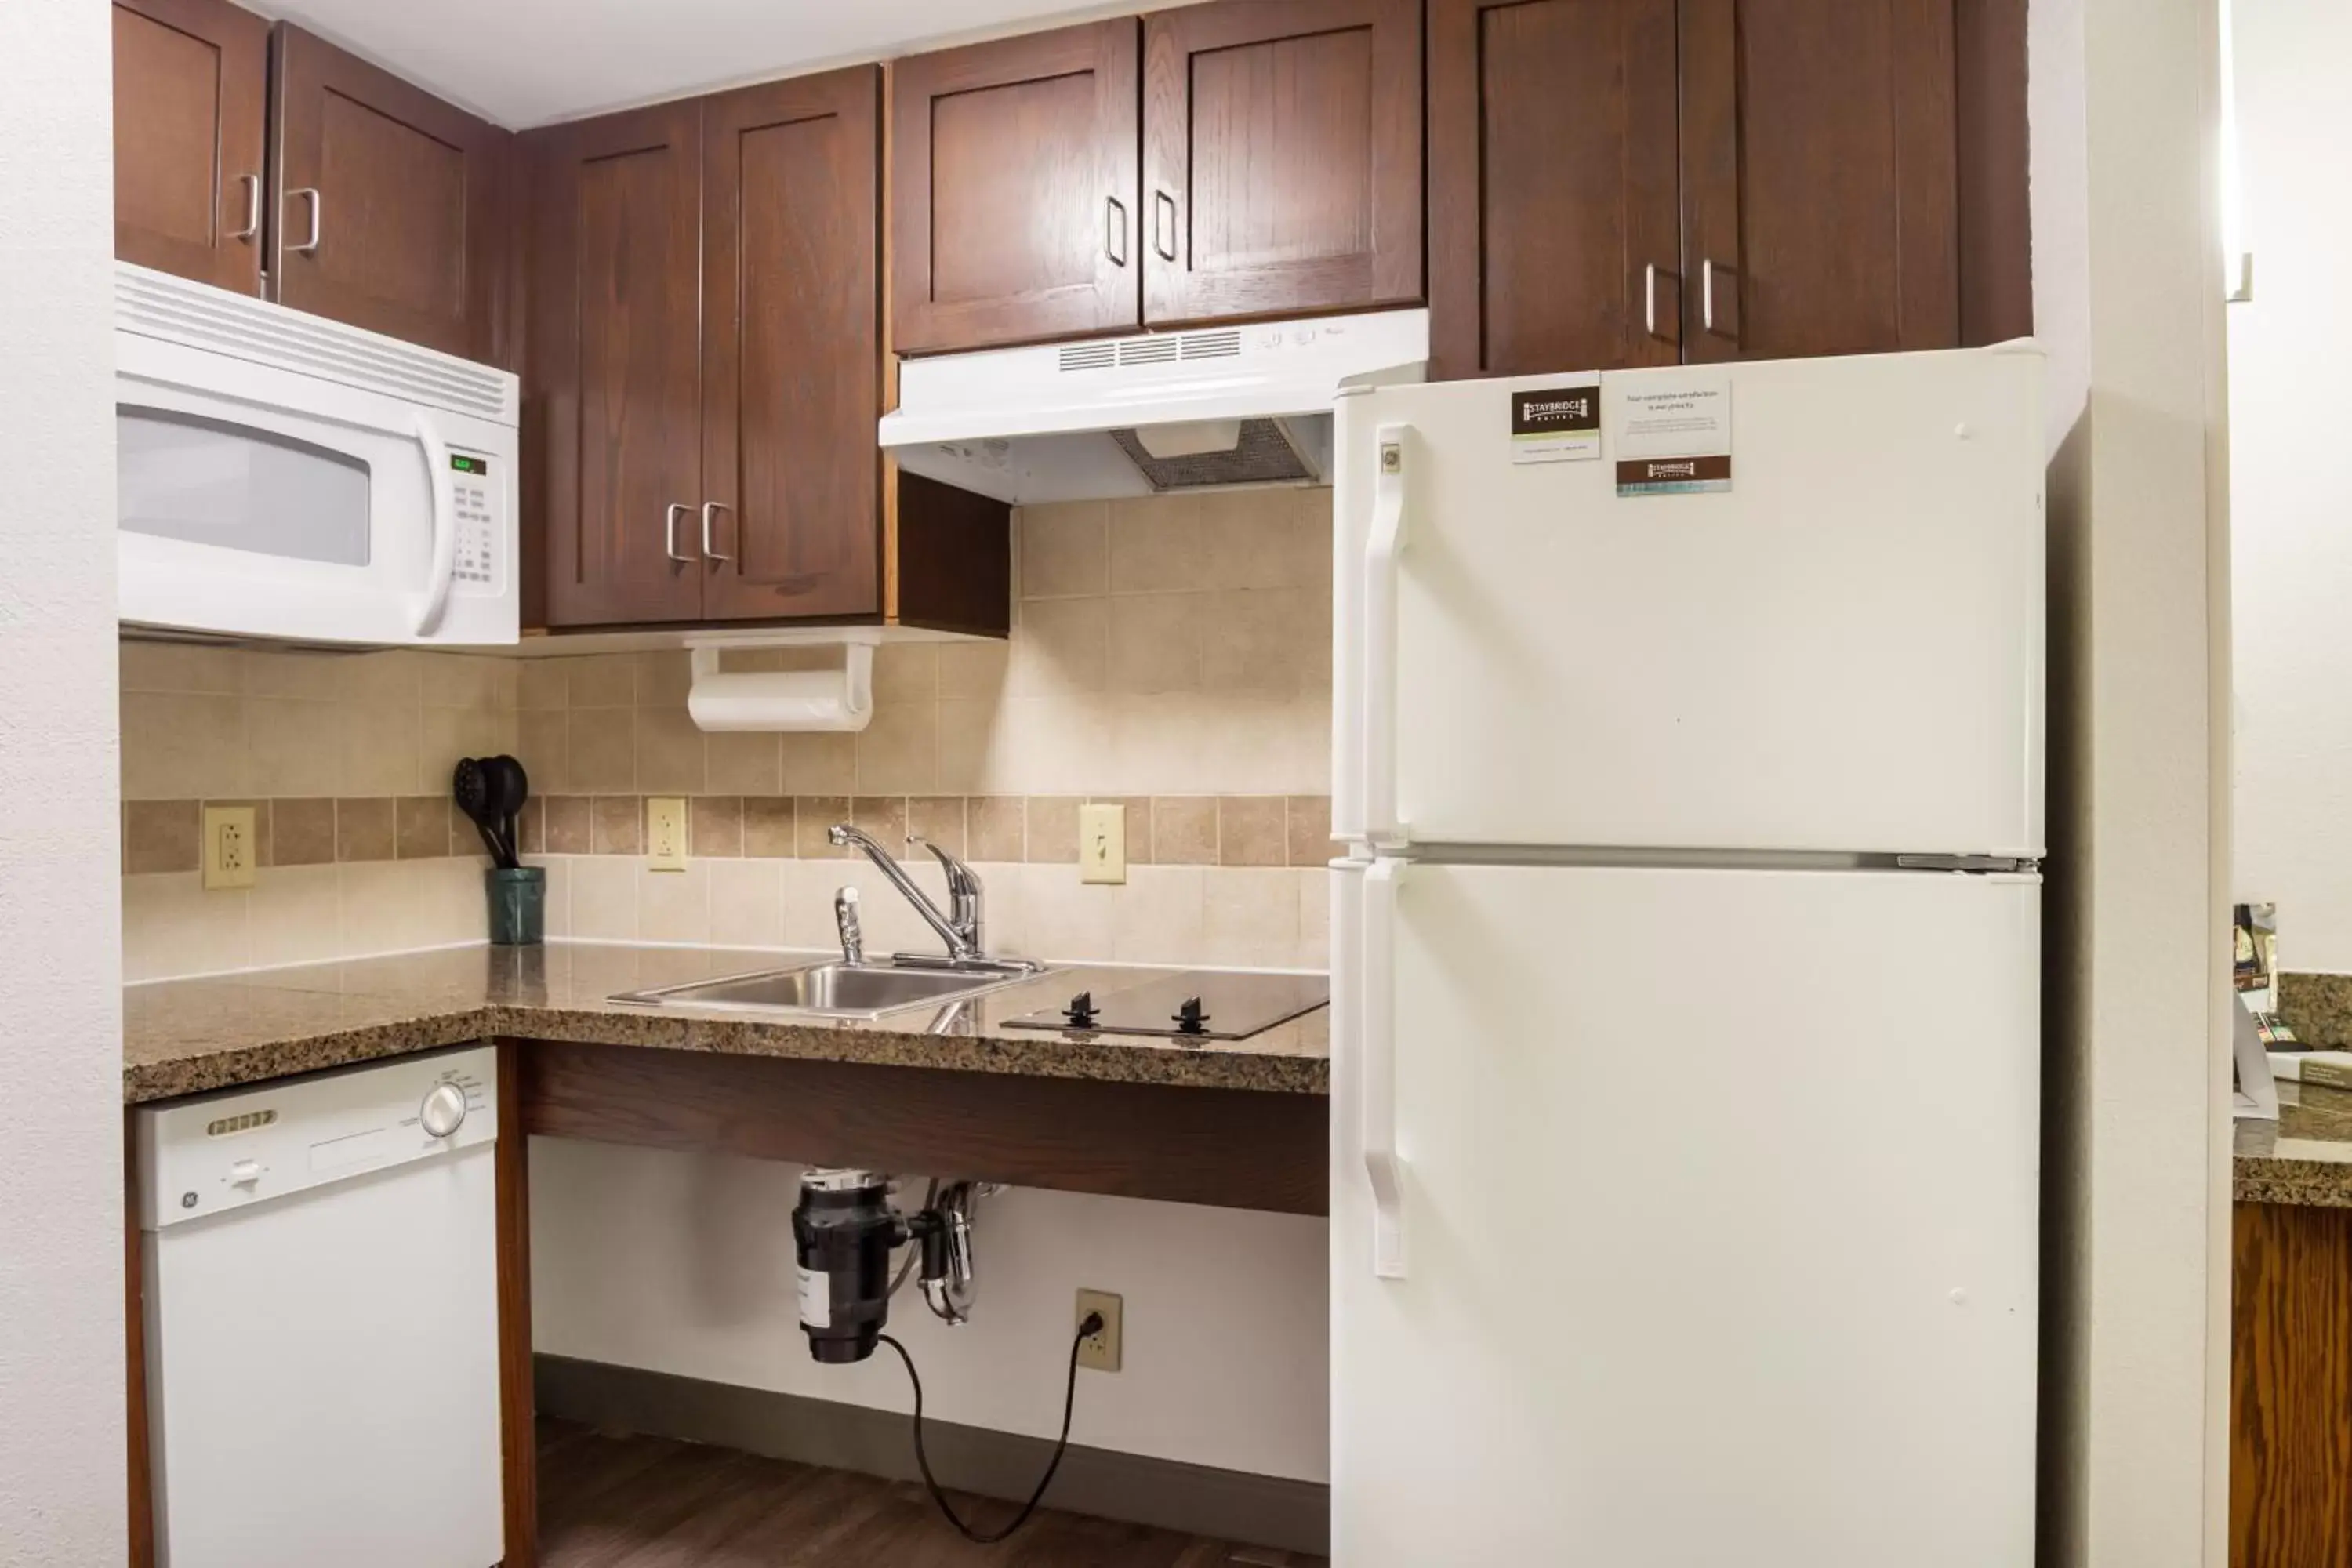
(510, 789)
(474, 786)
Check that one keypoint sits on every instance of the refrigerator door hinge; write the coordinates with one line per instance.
(1975, 865)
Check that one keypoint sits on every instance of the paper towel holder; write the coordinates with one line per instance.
(787, 700)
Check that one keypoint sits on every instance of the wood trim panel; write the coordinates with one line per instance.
(355, 282)
(1101, 170)
(1996, 217)
(1386, 267)
(1229, 1148)
(517, 1406)
(139, 1551)
(232, 152)
(955, 558)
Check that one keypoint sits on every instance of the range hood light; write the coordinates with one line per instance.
(1190, 440)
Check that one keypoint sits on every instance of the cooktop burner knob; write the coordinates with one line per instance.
(1081, 1011)
(1189, 1018)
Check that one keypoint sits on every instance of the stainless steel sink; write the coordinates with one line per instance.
(839, 990)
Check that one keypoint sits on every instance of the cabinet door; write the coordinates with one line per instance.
(612, 416)
(1554, 219)
(1013, 180)
(1821, 211)
(1282, 158)
(386, 201)
(791, 351)
(190, 85)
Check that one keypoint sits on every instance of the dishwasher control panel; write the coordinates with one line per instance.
(212, 1154)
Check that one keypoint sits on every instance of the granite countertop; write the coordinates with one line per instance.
(2304, 1157)
(185, 1037)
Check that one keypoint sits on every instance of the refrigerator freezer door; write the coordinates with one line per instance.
(1842, 652)
(1717, 1221)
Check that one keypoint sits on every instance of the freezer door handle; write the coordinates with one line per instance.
(1384, 543)
(1376, 1010)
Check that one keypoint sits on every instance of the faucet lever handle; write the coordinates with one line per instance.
(964, 887)
(961, 878)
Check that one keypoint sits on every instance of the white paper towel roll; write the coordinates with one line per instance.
(792, 699)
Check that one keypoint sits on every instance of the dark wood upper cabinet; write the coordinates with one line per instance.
(1013, 185)
(1282, 158)
(791, 348)
(613, 429)
(1821, 207)
(387, 201)
(1555, 215)
(189, 86)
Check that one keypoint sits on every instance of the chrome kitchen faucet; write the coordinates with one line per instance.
(962, 926)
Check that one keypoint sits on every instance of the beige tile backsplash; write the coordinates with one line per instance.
(1172, 654)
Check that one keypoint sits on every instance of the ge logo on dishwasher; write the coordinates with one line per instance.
(187, 1200)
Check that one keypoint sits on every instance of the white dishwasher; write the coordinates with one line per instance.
(321, 1319)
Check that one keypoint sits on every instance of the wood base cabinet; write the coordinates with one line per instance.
(2290, 1387)
(704, 378)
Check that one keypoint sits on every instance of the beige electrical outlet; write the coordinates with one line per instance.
(1099, 1350)
(229, 848)
(665, 833)
(1102, 844)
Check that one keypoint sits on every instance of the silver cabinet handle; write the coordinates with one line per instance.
(317, 215)
(1649, 299)
(1115, 230)
(1706, 292)
(710, 551)
(670, 532)
(1163, 225)
(252, 229)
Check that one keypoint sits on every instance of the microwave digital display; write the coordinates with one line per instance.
(465, 465)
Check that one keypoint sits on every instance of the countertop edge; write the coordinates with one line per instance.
(247, 1065)
(2301, 1184)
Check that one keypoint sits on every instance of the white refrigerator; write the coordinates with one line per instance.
(1686, 1073)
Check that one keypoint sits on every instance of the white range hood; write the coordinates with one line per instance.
(1139, 416)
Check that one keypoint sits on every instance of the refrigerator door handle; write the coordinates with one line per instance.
(1384, 543)
(1377, 1012)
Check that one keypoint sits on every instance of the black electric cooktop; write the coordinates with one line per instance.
(1198, 1005)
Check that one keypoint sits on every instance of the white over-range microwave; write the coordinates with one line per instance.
(281, 476)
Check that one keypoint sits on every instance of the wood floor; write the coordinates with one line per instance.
(614, 1501)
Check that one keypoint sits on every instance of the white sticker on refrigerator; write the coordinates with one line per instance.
(1557, 424)
(1670, 431)
(816, 1299)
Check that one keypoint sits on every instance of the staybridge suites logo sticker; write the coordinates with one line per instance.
(1557, 424)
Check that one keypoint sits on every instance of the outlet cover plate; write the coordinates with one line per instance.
(1102, 843)
(1101, 1351)
(230, 853)
(665, 833)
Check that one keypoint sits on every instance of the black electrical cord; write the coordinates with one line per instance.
(1091, 1325)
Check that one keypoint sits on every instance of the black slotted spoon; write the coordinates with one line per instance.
(475, 790)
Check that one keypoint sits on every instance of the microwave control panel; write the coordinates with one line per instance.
(478, 501)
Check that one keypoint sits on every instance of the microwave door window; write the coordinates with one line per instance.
(229, 486)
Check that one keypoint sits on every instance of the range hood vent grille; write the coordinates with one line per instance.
(1114, 353)
(1266, 454)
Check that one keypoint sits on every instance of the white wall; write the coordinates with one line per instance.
(61, 1437)
(684, 1263)
(2292, 528)
(2126, 295)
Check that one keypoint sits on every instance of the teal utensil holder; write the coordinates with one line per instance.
(517, 905)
